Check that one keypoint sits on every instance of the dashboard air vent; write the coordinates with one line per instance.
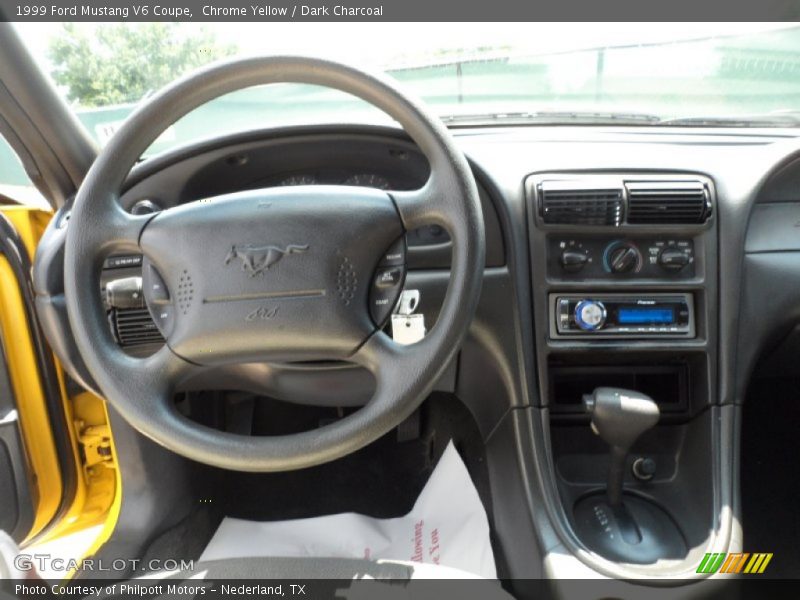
(134, 327)
(667, 202)
(561, 202)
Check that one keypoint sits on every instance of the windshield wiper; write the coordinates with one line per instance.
(553, 117)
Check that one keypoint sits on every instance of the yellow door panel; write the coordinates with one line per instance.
(33, 416)
(97, 492)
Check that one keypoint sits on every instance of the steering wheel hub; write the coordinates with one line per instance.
(268, 275)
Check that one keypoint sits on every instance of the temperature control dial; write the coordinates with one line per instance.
(622, 257)
(590, 315)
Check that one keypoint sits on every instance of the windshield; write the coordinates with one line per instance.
(470, 74)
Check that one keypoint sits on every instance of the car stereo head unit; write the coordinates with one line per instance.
(622, 315)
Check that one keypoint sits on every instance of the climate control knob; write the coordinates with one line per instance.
(590, 315)
(623, 258)
(673, 259)
(573, 261)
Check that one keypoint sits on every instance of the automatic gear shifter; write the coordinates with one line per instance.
(625, 528)
(619, 417)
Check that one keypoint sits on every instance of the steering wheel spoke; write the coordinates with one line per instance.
(116, 230)
(424, 206)
(152, 379)
(378, 353)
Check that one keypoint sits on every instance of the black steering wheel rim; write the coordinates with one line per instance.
(142, 389)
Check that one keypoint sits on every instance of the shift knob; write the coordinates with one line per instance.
(619, 417)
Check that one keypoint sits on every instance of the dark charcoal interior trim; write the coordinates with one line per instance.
(258, 158)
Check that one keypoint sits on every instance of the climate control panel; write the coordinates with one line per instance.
(578, 258)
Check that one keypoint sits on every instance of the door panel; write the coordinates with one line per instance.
(44, 456)
(58, 469)
(16, 502)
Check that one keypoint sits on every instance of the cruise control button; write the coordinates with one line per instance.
(162, 315)
(156, 289)
(388, 278)
(158, 299)
(396, 254)
(380, 307)
(386, 287)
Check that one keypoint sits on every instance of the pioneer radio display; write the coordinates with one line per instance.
(636, 315)
(605, 315)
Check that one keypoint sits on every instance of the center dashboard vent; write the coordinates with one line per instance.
(667, 202)
(564, 203)
(614, 200)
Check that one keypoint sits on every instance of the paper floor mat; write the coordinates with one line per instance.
(447, 526)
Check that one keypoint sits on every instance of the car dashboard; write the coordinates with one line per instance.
(637, 257)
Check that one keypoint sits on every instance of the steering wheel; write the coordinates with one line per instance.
(271, 275)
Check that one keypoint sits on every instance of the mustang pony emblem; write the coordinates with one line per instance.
(257, 259)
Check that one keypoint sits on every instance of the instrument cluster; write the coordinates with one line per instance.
(366, 179)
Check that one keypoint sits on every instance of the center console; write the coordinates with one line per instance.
(624, 271)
